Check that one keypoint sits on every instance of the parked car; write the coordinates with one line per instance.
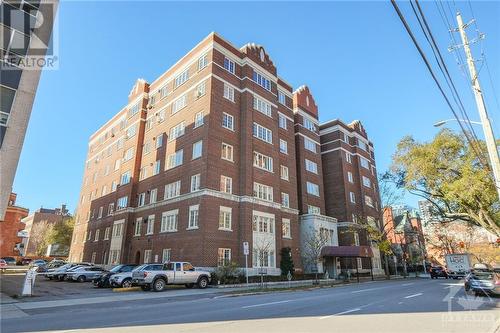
(59, 273)
(171, 273)
(437, 272)
(51, 265)
(483, 281)
(124, 279)
(37, 263)
(84, 273)
(10, 260)
(3, 265)
(26, 261)
(103, 280)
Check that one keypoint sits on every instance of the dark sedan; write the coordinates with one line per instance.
(10, 260)
(437, 272)
(103, 280)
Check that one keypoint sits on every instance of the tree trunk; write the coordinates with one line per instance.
(387, 270)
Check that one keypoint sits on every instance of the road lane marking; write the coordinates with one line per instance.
(341, 313)
(407, 284)
(362, 290)
(264, 304)
(414, 295)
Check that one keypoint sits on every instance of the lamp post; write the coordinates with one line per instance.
(442, 122)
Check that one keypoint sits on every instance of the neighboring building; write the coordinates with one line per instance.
(426, 214)
(37, 224)
(351, 189)
(217, 151)
(406, 235)
(11, 227)
(24, 36)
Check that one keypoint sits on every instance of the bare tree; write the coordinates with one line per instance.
(312, 243)
(261, 248)
(38, 238)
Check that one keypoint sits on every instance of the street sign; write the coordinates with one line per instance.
(246, 249)
(29, 282)
(262, 271)
(289, 276)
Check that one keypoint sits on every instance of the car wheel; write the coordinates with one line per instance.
(189, 285)
(202, 282)
(81, 278)
(159, 284)
(60, 278)
(127, 283)
(145, 287)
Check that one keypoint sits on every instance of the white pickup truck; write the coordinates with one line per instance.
(178, 272)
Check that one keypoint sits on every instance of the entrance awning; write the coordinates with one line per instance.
(347, 251)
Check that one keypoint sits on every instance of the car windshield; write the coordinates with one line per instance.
(482, 276)
(116, 269)
(138, 268)
(65, 266)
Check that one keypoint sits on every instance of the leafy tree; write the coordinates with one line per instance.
(286, 263)
(448, 174)
(62, 232)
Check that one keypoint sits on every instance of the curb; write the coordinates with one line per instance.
(123, 290)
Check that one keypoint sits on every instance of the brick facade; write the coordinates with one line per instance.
(10, 227)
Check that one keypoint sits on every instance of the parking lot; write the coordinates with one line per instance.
(11, 285)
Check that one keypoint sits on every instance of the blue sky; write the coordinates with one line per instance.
(355, 56)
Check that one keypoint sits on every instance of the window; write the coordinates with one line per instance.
(181, 78)
(228, 92)
(150, 225)
(111, 207)
(147, 256)
(197, 149)
(281, 97)
(283, 146)
(172, 190)
(311, 166)
(352, 197)
(122, 203)
(263, 258)
(201, 89)
(198, 119)
(106, 233)
(263, 223)
(117, 164)
(161, 116)
(133, 110)
(364, 163)
(284, 172)
(223, 257)
(349, 177)
(228, 121)
(156, 167)
(368, 201)
(138, 226)
(146, 148)
(117, 229)
(159, 141)
(96, 237)
(362, 145)
(282, 121)
(177, 131)
(175, 159)
(125, 178)
(262, 133)
(285, 200)
(310, 145)
(153, 195)
(106, 170)
(169, 221)
(226, 184)
(286, 228)
(131, 131)
(313, 189)
(227, 152)
(263, 192)
(367, 182)
(225, 218)
(142, 199)
(229, 65)
(202, 62)
(348, 157)
(261, 80)
(89, 235)
(143, 173)
(149, 123)
(179, 104)
(165, 255)
(309, 124)
(114, 257)
(313, 210)
(92, 259)
(262, 161)
(356, 238)
(195, 182)
(193, 217)
(119, 144)
(99, 215)
(262, 106)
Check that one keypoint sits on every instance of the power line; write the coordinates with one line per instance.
(429, 68)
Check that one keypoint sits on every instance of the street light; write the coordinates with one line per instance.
(442, 122)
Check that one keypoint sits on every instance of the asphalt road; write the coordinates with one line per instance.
(387, 306)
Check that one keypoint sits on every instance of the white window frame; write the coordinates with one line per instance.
(312, 189)
(227, 121)
(311, 166)
(263, 192)
(284, 172)
(225, 218)
(195, 182)
(262, 133)
(175, 159)
(263, 162)
(283, 147)
(193, 217)
(228, 92)
(228, 149)
(286, 228)
(226, 184)
(172, 190)
(169, 221)
(197, 150)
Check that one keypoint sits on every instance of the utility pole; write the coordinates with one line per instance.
(476, 88)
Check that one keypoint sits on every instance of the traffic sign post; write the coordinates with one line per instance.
(246, 252)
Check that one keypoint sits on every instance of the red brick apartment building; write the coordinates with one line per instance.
(10, 226)
(217, 151)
